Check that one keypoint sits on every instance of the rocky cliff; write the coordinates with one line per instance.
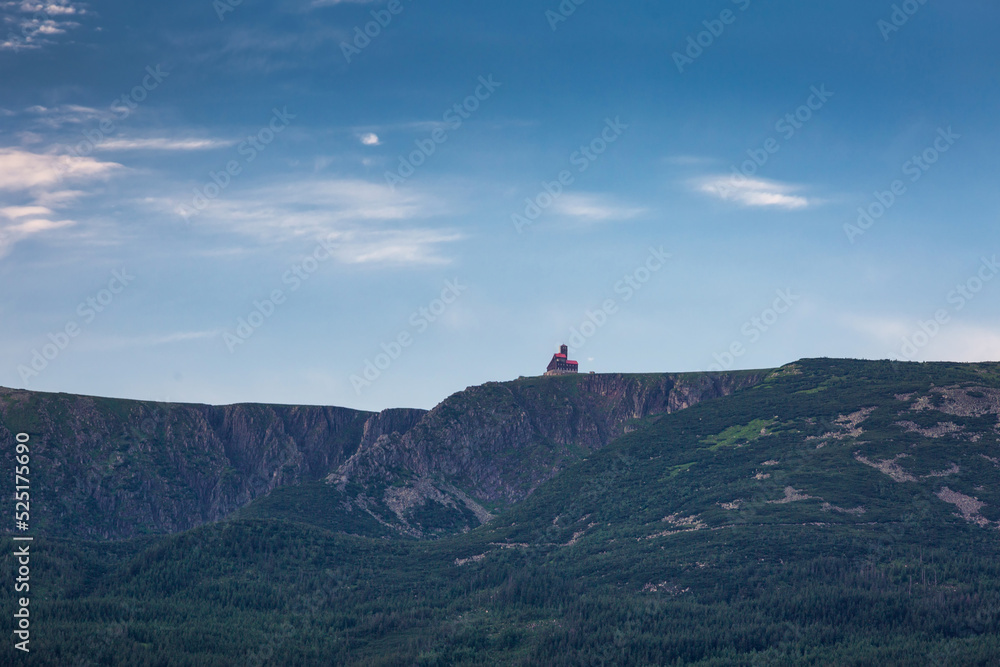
(487, 447)
(110, 468)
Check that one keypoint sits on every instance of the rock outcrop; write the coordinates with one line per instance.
(111, 469)
(489, 446)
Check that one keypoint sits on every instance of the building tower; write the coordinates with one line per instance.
(561, 364)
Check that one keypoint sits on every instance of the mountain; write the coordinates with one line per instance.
(115, 468)
(827, 512)
(488, 447)
(119, 468)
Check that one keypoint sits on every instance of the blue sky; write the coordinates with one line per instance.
(224, 202)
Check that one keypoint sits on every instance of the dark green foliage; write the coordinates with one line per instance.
(316, 504)
(664, 548)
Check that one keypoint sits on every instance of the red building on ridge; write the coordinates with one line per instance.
(561, 364)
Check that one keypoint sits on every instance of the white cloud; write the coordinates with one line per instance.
(19, 222)
(35, 23)
(24, 170)
(689, 160)
(153, 340)
(370, 139)
(15, 212)
(396, 246)
(961, 342)
(58, 198)
(753, 192)
(38, 177)
(593, 208)
(161, 144)
(364, 222)
(953, 341)
(885, 330)
(327, 3)
(55, 117)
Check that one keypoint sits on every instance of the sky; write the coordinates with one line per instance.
(377, 204)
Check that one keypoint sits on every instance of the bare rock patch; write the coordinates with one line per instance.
(890, 467)
(967, 505)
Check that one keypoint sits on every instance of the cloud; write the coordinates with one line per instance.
(58, 198)
(689, 160)
(954, 341)
(327, 3)
(402, 246)
(23, 170)
(38, 177)
(19, 222)
(370, 139)
(593, 208)
(962, 342)
(753, 192)
(161, 144)
(63, 114)
(34, 23)
(885, 330)
(14, 212)
(362, 222)
(152, 340)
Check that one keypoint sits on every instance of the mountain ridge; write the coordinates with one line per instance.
(118, 468)
(513, 436)
(835, 512)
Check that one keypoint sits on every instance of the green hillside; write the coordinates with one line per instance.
(840, 512)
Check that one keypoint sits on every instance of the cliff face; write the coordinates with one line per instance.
(109, 468)
(489, 446)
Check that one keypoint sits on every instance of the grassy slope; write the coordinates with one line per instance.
(664, 547)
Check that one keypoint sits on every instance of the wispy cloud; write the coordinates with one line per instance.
(162, 144)
(327, 3)
(594, 208)
(689, 160)
(19, 222)
(57, 116)
(362, 222)
(393, 246)
(885, 330)
(153, 340)
(40, 179)
(955, 341)
(25, 170)
(753, 192)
